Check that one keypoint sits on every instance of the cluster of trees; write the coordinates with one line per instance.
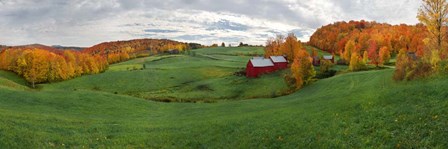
(421, 49)
(194, 46)
(434, 16)
(133, 47)
(38, 65)
(302, 69)
(334, 37)
(280, 45)
(363, 42)
(119, 51)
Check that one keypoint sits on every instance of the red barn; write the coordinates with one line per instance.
(280, 62)
(259, 65)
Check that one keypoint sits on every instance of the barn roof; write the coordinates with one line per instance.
(328, 57)
(278, 59)
(261, 62)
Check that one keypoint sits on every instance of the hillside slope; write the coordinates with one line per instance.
(365, 109)
(209, 75)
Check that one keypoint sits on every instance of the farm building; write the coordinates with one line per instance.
(280, 62)
(329, 57)
(317, 59)
(259, 65)
(412, 55)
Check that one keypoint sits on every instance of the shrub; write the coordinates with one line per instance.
(325, 66)
(327, 74)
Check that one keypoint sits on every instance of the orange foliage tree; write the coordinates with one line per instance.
(373, 53)
(302, 68)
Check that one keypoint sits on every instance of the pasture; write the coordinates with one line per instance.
(351, 110)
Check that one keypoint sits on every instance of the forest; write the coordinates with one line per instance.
(360, 43)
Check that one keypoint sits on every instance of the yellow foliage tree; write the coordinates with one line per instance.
(365, 57)
(37, 67)
(434, 15)
(349, 48)
(356, 63)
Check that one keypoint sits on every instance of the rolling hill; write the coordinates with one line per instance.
(352, 110)
(209, 72)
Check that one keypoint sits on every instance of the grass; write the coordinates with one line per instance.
(183, 78)
(353, 110)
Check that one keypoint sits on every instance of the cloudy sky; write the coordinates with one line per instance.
(88, 22)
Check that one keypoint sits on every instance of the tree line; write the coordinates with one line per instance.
(39, 66)
(420, 50)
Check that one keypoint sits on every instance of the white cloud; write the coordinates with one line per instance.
(88, 22)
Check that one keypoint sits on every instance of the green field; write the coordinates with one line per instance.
(187, 78)
(352, 110)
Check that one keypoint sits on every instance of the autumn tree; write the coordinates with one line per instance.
(356, 62)
(401, 66)
(278, 42)
(291, 46)
(373, 53)
(302, 69)
(35, 66)
(349, 48)
(271, 47)
(325, 66)
(223, 44)
(384, 55)
(365, 57)
(296, 73)
(434, 15)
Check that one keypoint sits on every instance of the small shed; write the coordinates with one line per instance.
(280, 62)
(259, 65)
(329, 57)
(412, 55)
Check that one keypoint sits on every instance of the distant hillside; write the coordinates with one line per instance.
(36, 46)
(135, 46)
(68, 48)
(334, 37)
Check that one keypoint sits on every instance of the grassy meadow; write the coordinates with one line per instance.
(115, 109)
(207, 73)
